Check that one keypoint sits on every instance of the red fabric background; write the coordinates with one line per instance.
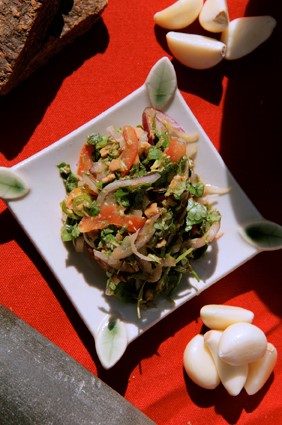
(238, 105)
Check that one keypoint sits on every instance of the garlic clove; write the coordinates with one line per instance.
(242, 343)
(217, 316)
(260, 371)
(199, 364)
(214, 15)
(243, 35)
(233, 378)
(195, 51)
(179, 15)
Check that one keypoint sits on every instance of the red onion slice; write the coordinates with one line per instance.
(115, 185)
(90, 183)
(141, 237)
(208, 237)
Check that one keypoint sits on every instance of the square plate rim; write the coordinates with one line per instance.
(134, 328)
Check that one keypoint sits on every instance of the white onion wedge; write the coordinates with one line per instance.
(243, 35)
(214, 15)
(195, 51)
(260, 371)
(179, 15)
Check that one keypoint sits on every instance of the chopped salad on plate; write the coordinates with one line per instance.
(138, 207)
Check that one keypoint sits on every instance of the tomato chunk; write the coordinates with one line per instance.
(129, 154)
(111, 214)
(176, 149)
(85, 159)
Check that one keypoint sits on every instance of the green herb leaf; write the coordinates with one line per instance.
(196, 213)
(98, 142)
(154, 154)
(196, 189)
(70, 230)
(93, 209)
(122, 196)
(70, 179)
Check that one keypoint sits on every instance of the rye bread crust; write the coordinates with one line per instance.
(23, 28)
(73, 22)
(80, 19)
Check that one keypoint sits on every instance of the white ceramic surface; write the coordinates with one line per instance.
(39, 214)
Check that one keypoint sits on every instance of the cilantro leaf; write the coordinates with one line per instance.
(196, 213)
(69, 178)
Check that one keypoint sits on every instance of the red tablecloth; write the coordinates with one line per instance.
(238, 105)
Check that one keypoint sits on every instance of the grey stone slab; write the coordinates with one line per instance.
(40, 384)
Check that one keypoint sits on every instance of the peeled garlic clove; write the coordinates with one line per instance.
(214, 15)
(195, 51)
(260, 371)
(233, 378)
(217, 316)
(242, 343)
(179, 15)
(199, 365)
(243, 35)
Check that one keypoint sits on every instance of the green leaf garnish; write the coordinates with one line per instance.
(161, 83)
(11, 185)
(111, 341)
(263, 234)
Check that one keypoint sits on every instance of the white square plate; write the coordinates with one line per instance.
(83, 280)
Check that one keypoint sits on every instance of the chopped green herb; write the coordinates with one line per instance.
(70, 179)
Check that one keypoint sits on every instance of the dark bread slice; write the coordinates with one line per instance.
(79, 19)
(23, 28)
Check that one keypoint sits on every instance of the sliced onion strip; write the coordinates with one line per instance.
(208, 237)
(111, 187)
(136, 252)
(211, 189)
(141, 237)
(90, 183)
(174, 128)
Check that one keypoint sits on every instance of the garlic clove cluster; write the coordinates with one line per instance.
(239, 37)
(235, 353)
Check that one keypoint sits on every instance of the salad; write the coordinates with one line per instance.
(138, 207)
